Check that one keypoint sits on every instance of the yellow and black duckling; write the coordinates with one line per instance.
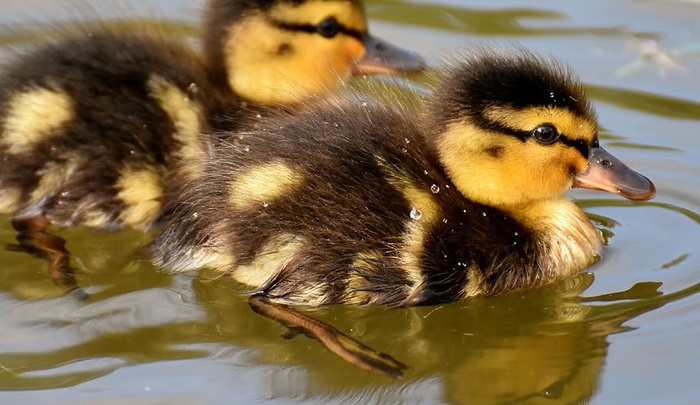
(96, 128)
(362, 203)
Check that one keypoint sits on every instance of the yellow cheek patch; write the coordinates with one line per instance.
(34, 116)
(264, 184)
(341, 55)
(257, 72)
(309, 65)
(269, 260)
(140, 190)
(527, 119)
(186, 116)
(348, 13)
(522, 172)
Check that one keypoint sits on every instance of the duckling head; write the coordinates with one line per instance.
(284, 51)
(514, 128)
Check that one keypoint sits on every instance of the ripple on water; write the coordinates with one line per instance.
(622, 332)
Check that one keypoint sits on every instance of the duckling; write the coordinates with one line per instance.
(363, 203)
(96, 127)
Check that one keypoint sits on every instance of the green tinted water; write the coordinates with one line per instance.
(624, 332)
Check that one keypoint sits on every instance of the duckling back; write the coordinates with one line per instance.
(88, 124)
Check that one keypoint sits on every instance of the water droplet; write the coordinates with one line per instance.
(425, 172)
(435, 188)
(404, 150)
(192, 90)
(364, 104)
(407, 140)
(483, 213)
(247, 149)
(265, 204)
(444, 220)
(336, 124)
(258, 115)
(195, 215)
(416, 214)
(515, 233)
(551, 95)
(447, 186)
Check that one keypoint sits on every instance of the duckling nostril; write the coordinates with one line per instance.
(380, 47)
(606, 163)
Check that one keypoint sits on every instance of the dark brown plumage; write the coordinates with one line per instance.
(351, 186)
(345, 207)
(114, 102)
(98, 127)
(112, 123)
(361, 203)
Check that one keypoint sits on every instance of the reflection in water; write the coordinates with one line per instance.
(544, 346)
(656, 104)
(525, 348)
(540, 346)
(484, 21)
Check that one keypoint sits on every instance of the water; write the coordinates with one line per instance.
(625, 331)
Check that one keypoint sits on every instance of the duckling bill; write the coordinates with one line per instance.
(364, 203)
(98, 127)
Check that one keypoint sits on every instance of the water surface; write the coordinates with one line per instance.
(625, 331)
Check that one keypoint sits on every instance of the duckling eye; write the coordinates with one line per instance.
(329, 27)
(545, 134)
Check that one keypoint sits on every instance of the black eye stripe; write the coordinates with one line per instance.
(581, 146)
(313, 29)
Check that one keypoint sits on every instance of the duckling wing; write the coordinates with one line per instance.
(90, 124)
(334, 205)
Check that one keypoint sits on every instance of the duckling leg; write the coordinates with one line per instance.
(33, 239)
(332, 339)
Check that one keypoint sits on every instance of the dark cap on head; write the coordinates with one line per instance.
(517, 78)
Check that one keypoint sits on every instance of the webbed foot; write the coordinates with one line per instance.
(332, 339)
